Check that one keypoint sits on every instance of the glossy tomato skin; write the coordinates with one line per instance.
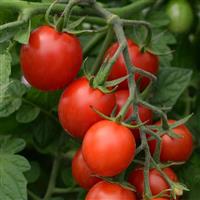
(175, 149)
(82, 173)
(145, 114)
(74, 110)
(156, 181)
(180, 14)
(51, 59)
(109, 191)
(145, 61)
(108, 148)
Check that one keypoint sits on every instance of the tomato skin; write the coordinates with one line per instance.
(180, 14)
(82, 173)
(109, 191)
(74, 110)
(174, 149)
(51, 59)
(145, 61)
(145, 114)
(156, 181)
(108, 148)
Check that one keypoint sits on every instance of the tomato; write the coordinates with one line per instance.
(82, 173)
(108, 148)
(156, 181)
(175, 149)
(145, 114)
(109, 191)
(146, 61)
(51, 59)
(180, 14)
(75, 112)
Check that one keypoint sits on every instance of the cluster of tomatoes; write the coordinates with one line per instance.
(51, 61)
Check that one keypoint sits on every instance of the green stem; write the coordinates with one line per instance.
(66, 190)
(104, 47)
(33, 196)
(93, 42)
(52, 180)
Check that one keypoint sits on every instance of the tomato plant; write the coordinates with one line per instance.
(156, 181)
(113, 144)
(81, 172)
(175, 149)
(99, 99)
(143, 60)
(51, 59)
(75, 107)
(104, 190)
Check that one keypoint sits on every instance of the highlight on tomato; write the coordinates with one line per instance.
(75, 107)
(109, 191)
(174, 149)
(143, 60)
(51, 59)
(108, 148)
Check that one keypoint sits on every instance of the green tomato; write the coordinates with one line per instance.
(180, 14)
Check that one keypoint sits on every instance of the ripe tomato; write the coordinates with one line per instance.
(74, 110)
(146, 61)
(175, 149)
(156, 181)
(109, 191)
(108, 148)
(180, 14)
(51, 59)
(82, 173)
(145, 114)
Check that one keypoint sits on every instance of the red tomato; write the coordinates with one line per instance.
(51, 59)
(175, 149)
(82, 173)
(145, 114)
(146, 61)
(109, 191)
(74, 110)
(156, 181)
(108, 148)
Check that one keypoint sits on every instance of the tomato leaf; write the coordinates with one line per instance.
(170, 85)
(22, 36)
(34, 173)
(13, 182)
(27, 113)
(12, 98)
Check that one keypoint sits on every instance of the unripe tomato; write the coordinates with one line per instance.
(145, 114)
(146, 61)
(109, 191)
(82, 173)
(74, 110)
(156, 180)
(51, 59)
(180, 14)
(174, 149)
(108, 148)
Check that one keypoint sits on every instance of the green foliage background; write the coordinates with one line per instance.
(30, 116)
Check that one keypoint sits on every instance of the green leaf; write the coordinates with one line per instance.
(34, 173)
(5, 71)
(158, 19)
(27, 113)
(12, 99)
(22, 36)
(45, 131)
(67, 177)
(170, 85)
(13, 183)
